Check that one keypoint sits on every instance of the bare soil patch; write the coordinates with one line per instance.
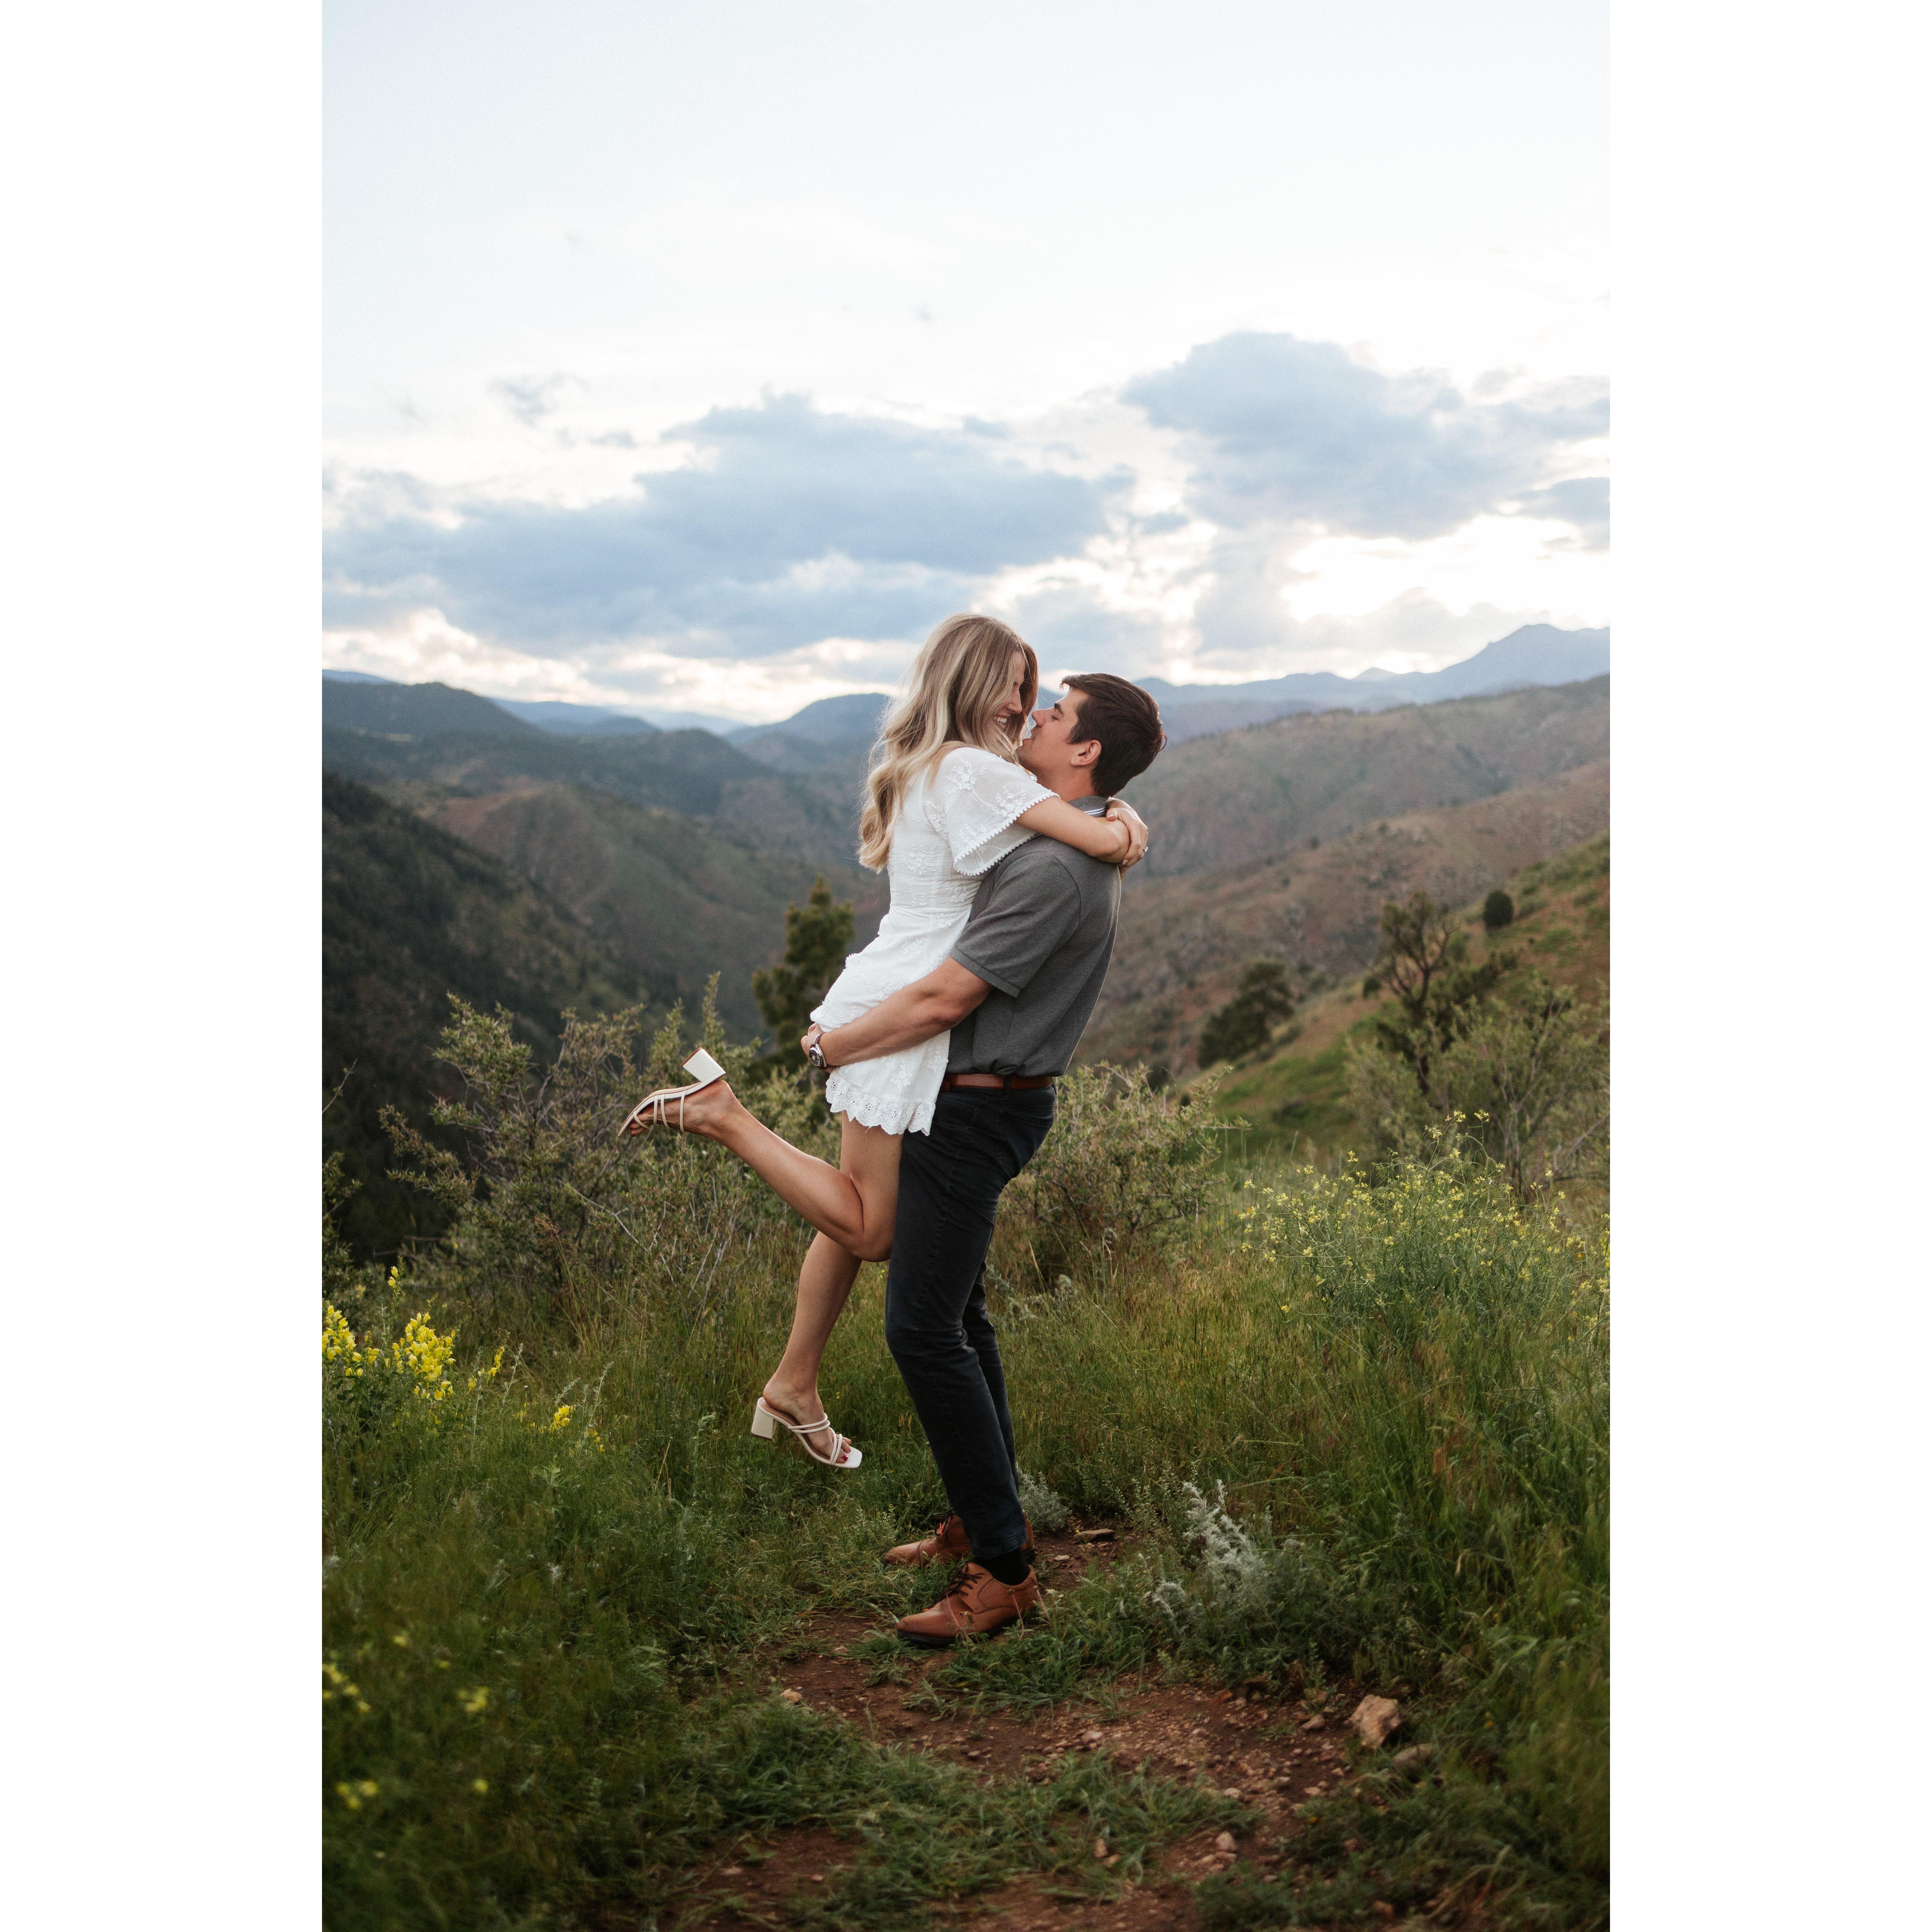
(1273, 1753)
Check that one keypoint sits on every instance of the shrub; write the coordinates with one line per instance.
(555, 1213)
(342, 1278)
(1498, 909)
(1045, 1511)
(1524, 1078)
(1122, 1178)
(1255, 1603)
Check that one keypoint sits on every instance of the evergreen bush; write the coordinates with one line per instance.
(1264, 997)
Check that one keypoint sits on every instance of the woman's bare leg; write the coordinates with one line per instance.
(852, 1202)
(824, 1283)
(869, 1162)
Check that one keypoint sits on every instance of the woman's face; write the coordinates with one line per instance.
(1012, 710)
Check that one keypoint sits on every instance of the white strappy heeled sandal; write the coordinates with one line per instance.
(766, 1422)
(650, 1110)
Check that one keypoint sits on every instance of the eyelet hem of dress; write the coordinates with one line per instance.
(891, 1118)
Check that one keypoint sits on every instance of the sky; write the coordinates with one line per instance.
(701, 360)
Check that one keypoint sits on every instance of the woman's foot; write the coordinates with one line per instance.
(801, 1405)
(699, 1110)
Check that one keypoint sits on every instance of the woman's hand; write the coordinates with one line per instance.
(1122, 813)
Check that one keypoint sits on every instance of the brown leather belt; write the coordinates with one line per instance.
(1017, 1083)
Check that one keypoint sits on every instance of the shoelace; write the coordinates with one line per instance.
(957, 1584)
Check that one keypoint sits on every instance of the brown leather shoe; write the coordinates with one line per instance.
(976, 1601)
(947, 1544)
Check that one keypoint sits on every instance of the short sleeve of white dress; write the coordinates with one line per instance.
(972, 803)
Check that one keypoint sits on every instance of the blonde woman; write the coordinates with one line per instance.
(946, 799)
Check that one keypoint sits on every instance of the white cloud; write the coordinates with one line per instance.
(1264, 505)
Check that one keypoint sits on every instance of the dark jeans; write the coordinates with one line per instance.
(936, 1324)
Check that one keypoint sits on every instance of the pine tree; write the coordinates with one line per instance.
(817, 935)
(1263, 998)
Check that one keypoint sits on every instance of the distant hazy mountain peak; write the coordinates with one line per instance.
(557, 715)
(356, 677)
(830, 720)
(1532, 654)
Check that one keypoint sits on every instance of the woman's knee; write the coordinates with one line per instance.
(875, 1245)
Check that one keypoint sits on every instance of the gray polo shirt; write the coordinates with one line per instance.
(1040, 935)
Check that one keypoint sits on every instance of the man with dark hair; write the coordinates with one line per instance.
(1015, 994)
(1123, 721)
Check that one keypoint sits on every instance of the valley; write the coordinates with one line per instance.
(468, 850)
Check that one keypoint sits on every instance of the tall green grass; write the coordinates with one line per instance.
(1361, 1427)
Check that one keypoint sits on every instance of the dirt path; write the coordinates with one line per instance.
(1272, 1754)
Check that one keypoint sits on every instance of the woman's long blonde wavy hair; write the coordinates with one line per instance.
(948, 698)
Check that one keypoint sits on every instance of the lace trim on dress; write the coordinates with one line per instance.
(974, 798)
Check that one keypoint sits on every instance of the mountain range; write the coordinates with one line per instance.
(1535, 654)
(834, 730)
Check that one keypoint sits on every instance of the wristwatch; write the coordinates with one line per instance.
(815, 1053)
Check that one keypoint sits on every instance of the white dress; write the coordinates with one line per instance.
(952, 826)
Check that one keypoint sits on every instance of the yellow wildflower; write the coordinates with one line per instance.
(337, 1342)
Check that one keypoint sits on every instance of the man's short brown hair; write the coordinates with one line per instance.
(1127, 721)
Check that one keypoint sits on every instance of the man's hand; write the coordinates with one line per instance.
(1122, 813)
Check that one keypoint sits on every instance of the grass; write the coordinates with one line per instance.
(1291, 1100)
(1362, 1429)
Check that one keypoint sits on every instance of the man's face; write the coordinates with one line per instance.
(1055, 748)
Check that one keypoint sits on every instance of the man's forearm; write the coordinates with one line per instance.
(908, 1018)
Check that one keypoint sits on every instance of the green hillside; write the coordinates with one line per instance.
(1296, 1091)
(411, 914)
(1250, 795)
(673, 898)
